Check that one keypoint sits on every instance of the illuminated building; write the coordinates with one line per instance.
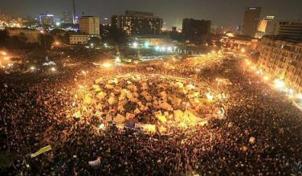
(239, 42)
(196, 31)
(250, 21)
(90, 25)
(78, 39)
(138, 23)
(267, 26)
(46, 19)
(282, 58)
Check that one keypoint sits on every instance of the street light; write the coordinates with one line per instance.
(32, 68)
(134, 44)
(279, 84)
(4, 53)
(107, 65)
(57, 43)
(53, 69)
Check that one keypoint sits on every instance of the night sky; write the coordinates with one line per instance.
(221, 12)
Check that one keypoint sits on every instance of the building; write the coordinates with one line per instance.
(90, 25)
(78, 39)
(251, 20)
(196, 31)
(267, 26)
(290, 29)
(281, 57)
(138, 23)
(31, 35)
(46, 19)
(239, 42)
(67, 17)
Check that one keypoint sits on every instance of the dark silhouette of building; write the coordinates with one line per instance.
(196, 31)
(138, 23)
(290, 29)
(251, 20)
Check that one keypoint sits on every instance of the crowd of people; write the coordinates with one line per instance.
(258, 132)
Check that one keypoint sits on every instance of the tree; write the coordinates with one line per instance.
(95, 41)
(3, 37)
(114, 35)
(45, 41)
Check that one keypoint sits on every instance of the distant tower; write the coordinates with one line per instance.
(251, 20)
(73, 11)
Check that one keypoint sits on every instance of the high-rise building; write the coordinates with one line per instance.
(290, 29)
(46, 19)
(90, 25)
(251, 20)
(196, 31)
(267, 26)
(67, 17)
(138, 23)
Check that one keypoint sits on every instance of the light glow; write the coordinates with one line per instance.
(107, 65)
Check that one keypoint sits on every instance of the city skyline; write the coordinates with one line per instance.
(230, 13)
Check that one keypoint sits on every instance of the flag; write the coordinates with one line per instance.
(41, 151)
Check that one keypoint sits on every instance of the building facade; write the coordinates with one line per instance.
(239, 43)
(78, 39)
(251, 20)
(90, 25)
(290, 29)
(138, 23)
(267, 26)
(46, 19)
(282, 58)
(196, 31)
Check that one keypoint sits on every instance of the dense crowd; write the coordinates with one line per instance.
(260, 132)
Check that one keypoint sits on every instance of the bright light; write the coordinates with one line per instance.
(91, 45)
(279, 84)
(163, 49)
(146, 44)
(58, 24)
(299, 96)
(4, 53)
(84, 72)
(242, 50)
(134, 44)
(230, 34)
(169, 49)
(118, 59)
(209, 96)
(107, 65)
(247, 62)
(102, 127)
(254, 67)
(259, 72)
(266, 78)
(32, 68)
(53, 69)
(57, 43)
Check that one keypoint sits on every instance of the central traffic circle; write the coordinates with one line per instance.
(152, 103)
